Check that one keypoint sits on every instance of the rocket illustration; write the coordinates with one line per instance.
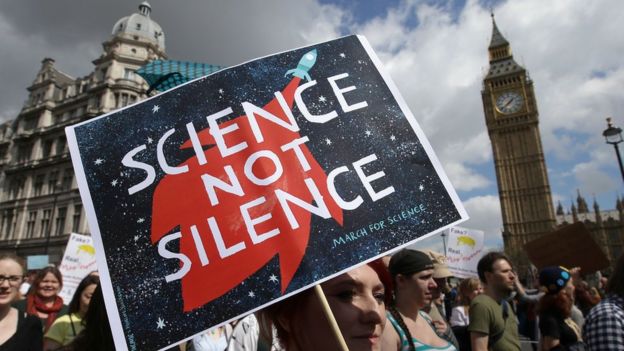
(304, 65)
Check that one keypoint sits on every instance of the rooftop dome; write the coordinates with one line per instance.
(140, 24)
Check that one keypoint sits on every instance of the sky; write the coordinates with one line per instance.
(435, 51)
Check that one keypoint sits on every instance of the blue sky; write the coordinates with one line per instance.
(436, 51)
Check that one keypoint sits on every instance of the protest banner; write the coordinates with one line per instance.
(236, 190)
(78, 261)
(35, 262)
(569, 246)
(465, 249)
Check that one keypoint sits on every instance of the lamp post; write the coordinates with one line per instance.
(57, 188)
(613, 136)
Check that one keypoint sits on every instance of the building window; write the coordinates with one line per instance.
(138, 26)
(128, 73)
(60, 145)
(24, 152)
(17, 188)
(60, 220)
(124, 100)
(31, 123)
(47, 148)
(76, 218)
(68, 177)
(45, 223)
(38, 186)
(7, 223)
(53, 182)
(30, 225)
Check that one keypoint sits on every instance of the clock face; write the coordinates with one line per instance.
(509, 102)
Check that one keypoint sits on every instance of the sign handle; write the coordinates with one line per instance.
(330, 317)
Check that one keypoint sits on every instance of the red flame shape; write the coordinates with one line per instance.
(182, 200)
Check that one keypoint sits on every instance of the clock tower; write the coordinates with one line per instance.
(512, 121)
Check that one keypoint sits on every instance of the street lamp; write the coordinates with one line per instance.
(613, 136)
(56, 189)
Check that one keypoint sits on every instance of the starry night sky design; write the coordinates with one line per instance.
(151, 309)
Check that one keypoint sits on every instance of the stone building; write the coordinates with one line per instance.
(607, 227)
(512, 120)
(39, 201)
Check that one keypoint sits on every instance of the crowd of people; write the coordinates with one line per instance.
(406, 302)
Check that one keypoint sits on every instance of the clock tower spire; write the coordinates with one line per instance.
(511, 118)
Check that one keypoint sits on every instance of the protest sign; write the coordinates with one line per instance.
(37, 262)
(238, 189)
(78, 261)
(465, 249)
(569, 246)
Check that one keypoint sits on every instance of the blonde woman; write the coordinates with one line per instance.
(468, 289)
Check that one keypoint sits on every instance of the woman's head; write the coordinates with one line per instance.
(468, 289)
(82, 297)
(557, 282)
(97, 335)
(11, 276)
(356, 299)
(412, 275)
(48, 282)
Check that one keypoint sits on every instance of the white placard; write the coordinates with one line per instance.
(78, 261)
(465, 249)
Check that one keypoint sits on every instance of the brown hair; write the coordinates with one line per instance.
(560, 302)
(285, 315)
(17, 259)
(615, 285)
(286, 318)
(466, 287)
(486, 263)
(41, 275)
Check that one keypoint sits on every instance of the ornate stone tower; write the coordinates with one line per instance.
(511, 117)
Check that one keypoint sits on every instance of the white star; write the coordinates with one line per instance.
(155, 109)
(368, 133)
(160, 324)
(114, 182)
(322, 98)
(251, 294)
(140, 220)
(98, 161)
(421, 187)
(327, 141)
(342, 54)
(221, 91)
(392, 137)
(273, 278)
(136, 238)
(149, 140)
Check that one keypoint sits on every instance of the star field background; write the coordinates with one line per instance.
(150, 308)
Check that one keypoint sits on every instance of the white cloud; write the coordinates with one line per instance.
(592, 179)
(571, 49)
(465, 179)
(485, 214)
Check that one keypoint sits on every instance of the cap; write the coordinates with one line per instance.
(440, 269)
(554, 278)
(408, 262)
